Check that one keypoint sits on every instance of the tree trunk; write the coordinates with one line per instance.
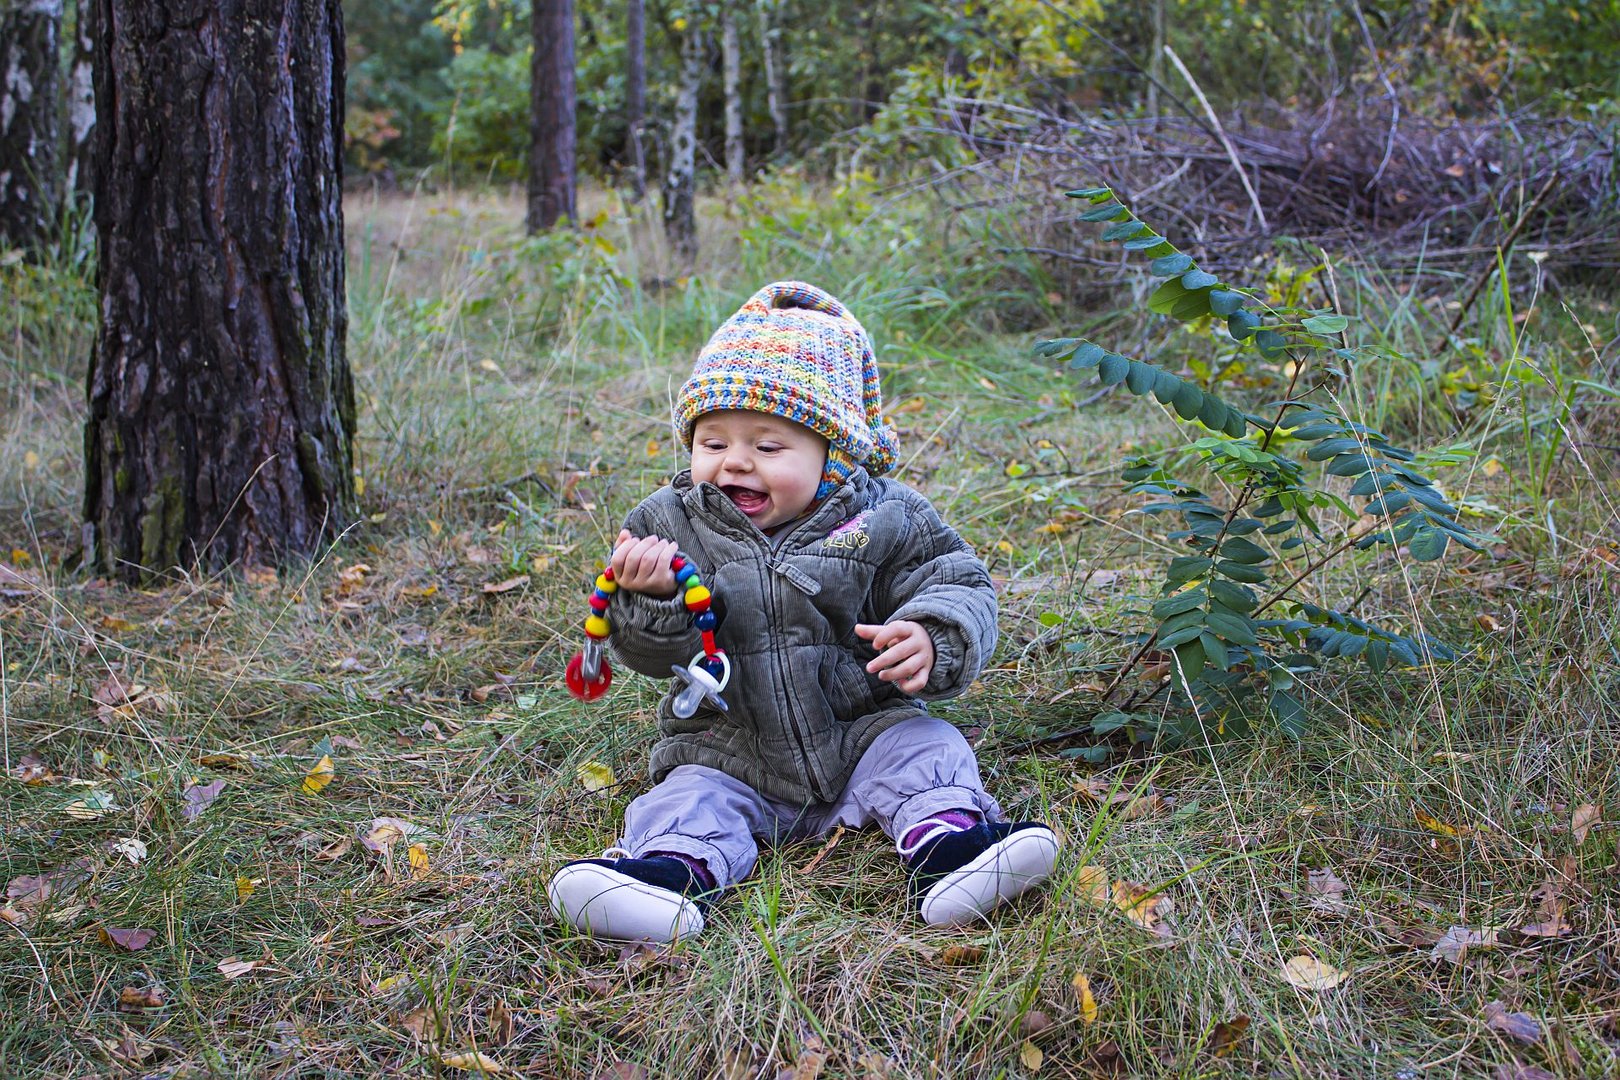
(81, 105)
(775, 76)
(29, 30)
(635, 95)
(731, 50)
(221, 411)
(680, 216)
(551, 116)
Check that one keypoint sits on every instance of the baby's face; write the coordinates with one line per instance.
(769, 467)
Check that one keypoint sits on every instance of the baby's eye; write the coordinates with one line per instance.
(768, 448)
(713, 445)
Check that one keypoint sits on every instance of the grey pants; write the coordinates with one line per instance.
(912, 771)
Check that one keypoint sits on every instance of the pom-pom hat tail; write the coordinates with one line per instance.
(795, 351)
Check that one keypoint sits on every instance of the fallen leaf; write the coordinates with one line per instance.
(33, 771)
(1515, 1025)
(225, 761)
(1455, 943)
(419, 861)
(1586, 815)
(1309, 973)
(1435, 825)
(335, 850)
(1517, 1071)
(1129, 802)
(473, 1061)
(1227, 1035)
(1091, 885)
(1088, 1000)
(1550, 906)
(91, 805)
(1106, 1059)
(199, 797)
(416, 1022)
(960, 955)
(826, 849)
(1143, 905)
(1035, 1024)
(1326, 891)
(1456, 169)
(129, 847)
(232, 968)
(136, 999)
(811, 1061)
(1031, 1057)
(245, 887)
(320, 774)
(386, 831)
(494, 588)
(873, 1067)
(501, 1027)
(351, 579)
(260, 575)
(131, 940)
(595, 777)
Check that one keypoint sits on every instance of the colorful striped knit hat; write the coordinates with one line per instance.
(795, 351)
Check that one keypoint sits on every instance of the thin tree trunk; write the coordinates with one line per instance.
(551, 111)
(29, 30)
(81, 106)
(1156, 59)
(680, 216)
(775, 76)
(221, 409)
(635, 95)
(731, 53)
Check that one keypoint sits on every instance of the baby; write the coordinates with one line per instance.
(841, 602)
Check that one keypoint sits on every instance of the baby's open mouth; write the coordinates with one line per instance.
(746, 499)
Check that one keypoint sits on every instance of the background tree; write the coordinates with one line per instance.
(680, 186)
(635, 94)
(28, 109)
(221, 410)
(775, 74)
(551, 157)
(731, 60)
(81, 105)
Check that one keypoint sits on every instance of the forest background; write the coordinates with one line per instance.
(297, 820)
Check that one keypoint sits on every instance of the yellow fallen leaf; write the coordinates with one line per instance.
(1031, 1056)
(245, 886)
(595, 776)
(652, 448)
(1309, 973)
(232, 968)
(1004, 547)
(1586, 815)
(495, 588)
(319, 775)
(1088, 1001)
(31, 460)
(473, 1061)
(1091, 885)
(390, 982)
(1492, 466)
(419, 860)
(1142, 905)
(1435, 825)
(490, 366)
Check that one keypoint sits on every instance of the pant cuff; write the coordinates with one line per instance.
(713, 859)
(925, 804)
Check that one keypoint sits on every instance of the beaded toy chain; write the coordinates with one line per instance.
(589, 676)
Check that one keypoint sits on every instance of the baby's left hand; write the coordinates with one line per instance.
(905, 653)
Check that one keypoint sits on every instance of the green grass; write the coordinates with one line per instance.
(441, 704)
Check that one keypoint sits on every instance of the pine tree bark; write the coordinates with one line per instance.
(775, 76)
(81, 105)
(731, 60)
(635, 95)
(29, 30)
(221, 408)
(551, 116)
(680, 187)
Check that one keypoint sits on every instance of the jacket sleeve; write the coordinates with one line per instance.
(651, 634)
(940, 583)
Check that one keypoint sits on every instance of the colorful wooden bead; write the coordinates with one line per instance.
(599, 603)
(597, 627)
(605, 582)
(705, 620)
(697, 599)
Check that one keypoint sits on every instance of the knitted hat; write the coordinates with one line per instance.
(795, 351)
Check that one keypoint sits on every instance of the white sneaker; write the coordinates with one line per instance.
(961, 876)
(623, 899)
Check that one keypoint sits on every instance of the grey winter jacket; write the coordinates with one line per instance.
(802, 708)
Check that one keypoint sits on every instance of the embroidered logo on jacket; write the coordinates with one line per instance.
(851, 534)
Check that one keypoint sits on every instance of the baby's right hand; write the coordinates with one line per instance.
(641, 564)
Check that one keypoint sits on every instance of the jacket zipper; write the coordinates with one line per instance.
(770, 582)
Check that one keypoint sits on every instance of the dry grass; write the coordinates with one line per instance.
(1439, 799)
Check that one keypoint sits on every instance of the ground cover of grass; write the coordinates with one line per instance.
(1434, 846)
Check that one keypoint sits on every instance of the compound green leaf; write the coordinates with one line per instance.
(1187, 401)
(1225, 302)
(1140, 377)
(1165, 386)
(1201, 279)
(1123, 230)
(1326, 324)
(1086, 356)
(1112, 368)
